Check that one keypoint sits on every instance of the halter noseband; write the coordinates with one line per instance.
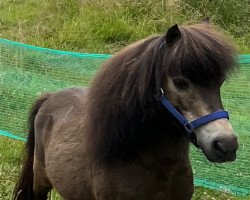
(190, 126)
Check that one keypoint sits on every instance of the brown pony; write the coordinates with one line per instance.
(115, 140)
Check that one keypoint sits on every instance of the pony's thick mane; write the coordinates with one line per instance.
(124, 115)
(202, 55)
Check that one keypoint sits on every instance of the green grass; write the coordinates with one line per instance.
(106, 25)
(99, 26)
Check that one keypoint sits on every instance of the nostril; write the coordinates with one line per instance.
(225, 146)
(218, 146)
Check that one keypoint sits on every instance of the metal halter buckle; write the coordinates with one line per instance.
(188, 127)
(159, 93)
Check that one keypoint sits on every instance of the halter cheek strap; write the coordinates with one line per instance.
(190, 126)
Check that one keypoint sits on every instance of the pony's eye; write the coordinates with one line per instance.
(180, 83)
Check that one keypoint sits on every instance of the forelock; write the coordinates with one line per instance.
(201, 54)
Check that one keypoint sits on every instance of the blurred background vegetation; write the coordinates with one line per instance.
(104, 26)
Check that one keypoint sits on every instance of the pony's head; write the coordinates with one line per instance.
(190, 64)
(197, 60)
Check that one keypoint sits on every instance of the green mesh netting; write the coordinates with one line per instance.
(27, 71)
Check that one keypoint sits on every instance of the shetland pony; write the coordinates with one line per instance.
(115, 140)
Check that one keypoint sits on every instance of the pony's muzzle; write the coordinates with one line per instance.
(225, 148)
(218, 141)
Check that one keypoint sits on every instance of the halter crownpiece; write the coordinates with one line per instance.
(190, 126)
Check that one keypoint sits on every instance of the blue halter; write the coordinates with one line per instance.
(190, 126)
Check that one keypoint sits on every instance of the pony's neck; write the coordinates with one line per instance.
(125, 118)
(170, 150)
(170, 142)
(125, 133)
(158, 138)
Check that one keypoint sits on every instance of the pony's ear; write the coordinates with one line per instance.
(173, 34)
(206, 21)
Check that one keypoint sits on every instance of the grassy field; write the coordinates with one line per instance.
(106, 25)
(102, 26)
